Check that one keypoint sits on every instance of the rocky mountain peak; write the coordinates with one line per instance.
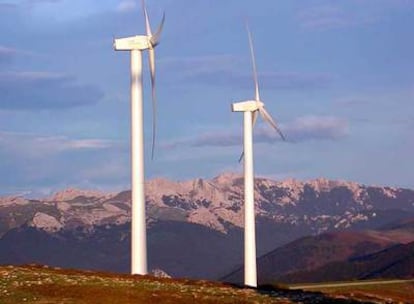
(72, 193)
(324, 184)
(13, 200)
(227, 178)
(157, 185)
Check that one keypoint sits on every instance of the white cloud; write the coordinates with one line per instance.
(126, 6)
(301, 129)
(35, 162)
(7, 54)
(34, 146)
(6, 50)
(317, 127)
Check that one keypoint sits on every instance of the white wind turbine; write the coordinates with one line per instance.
(251, 109)
(136, 45)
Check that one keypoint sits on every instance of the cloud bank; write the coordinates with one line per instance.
(302, 129)
(6, 55)
(43, 90)
(224, 70)
(33, 146)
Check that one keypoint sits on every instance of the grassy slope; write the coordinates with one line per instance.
(389, 293)
(394, 262)
(37, 284)
(312, 252)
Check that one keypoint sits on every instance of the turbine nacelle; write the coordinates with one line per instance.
(247, 106)
(139, 42)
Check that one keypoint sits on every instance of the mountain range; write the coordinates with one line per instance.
(195, 227)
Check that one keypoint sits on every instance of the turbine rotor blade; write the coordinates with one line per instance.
(254, 120)
(147, 23)
(151, 58)
(266, 117)
(241, 157)
(256, 82)
(156, 37)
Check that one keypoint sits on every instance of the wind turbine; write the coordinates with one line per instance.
(251, 109)
(136, 45)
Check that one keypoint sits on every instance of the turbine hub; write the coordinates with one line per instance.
(260, 104)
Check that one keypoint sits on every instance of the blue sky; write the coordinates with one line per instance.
(337, 76)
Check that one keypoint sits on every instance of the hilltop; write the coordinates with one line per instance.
(387, 252)
(42, 284)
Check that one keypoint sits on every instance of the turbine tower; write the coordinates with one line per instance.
(251, 109)
(136, 45)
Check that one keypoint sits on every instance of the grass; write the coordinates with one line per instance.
(36, 284)
(392, 293)
(376, 291)
(44, 285)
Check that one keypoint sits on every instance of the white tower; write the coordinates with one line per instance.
(250, 110)
(136, 45)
